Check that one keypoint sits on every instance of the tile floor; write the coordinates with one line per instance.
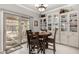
(60, 49)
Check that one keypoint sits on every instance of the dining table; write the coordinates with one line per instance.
(43, 35)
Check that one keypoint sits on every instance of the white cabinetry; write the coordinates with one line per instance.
(50, 22)
(64, 28)
(56, 25)
(73, 39)
(63, 38)
(43, 23)
(69, 29)
(53, 22)
(73, 29)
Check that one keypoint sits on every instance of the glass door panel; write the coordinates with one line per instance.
(11, 32)
(24, 27)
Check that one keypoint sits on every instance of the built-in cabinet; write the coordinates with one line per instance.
(53, 22)
(74, 29)
(50, 23)
(68, 27)
(64, 28)
(43, 23)
(56, 25)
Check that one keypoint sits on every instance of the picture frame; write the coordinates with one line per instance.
(35, 23)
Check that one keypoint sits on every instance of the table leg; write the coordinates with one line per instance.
(46, 43)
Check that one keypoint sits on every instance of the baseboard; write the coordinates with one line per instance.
(67, 45)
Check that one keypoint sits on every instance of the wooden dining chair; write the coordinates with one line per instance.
(33, 43)
(44, 43)
(28, 38)
(52, 41)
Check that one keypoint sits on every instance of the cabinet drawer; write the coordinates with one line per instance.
(73, 39)
(64, 39)
(57, 39)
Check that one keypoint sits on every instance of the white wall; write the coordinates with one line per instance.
(32, 27)
(1, 31)
(36, 28)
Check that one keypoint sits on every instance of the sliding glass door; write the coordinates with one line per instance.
(11, 32)
(14, 32)
(24, 26)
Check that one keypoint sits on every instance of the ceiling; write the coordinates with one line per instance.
(50, 6)
(30, 9)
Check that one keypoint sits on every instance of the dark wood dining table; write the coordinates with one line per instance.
(42, 35)
(43, 39)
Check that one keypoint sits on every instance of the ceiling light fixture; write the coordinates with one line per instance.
(41, 7)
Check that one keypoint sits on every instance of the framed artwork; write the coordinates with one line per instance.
(35, 23)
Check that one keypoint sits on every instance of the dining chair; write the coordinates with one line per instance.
(27, 33)
(52, 41)
(44, 43)
(33, 43)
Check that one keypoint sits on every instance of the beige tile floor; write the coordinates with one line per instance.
(60, 49)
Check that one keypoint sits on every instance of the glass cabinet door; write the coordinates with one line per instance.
(73, 22)
(24, 27)
(56, 21)
(43, 24)
(40, 24)
(11, 32)
(64, 22)
(50, 22)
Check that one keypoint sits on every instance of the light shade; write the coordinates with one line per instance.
(41, 7)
